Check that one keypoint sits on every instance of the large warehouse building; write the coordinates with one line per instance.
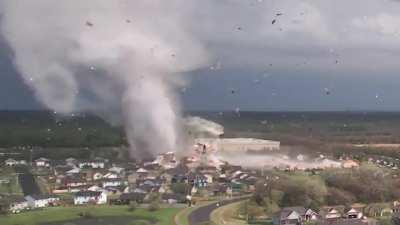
(238, 144)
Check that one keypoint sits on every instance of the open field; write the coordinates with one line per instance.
(98, 215)
(226, 215)
(9, 182)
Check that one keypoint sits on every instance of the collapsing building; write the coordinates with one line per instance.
(238, 144)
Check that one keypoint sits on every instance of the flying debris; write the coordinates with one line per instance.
(273, 21)
(92, 68)
(239, 28)
(327, 91)
(233, 91)
(279, 14)
(337, 61)
(172, 55)
(128, 21)
(89, 24)
(237, 111)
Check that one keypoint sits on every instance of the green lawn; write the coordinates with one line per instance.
(164, 216)
(12, 187)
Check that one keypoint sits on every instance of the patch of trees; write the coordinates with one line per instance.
(367, 184)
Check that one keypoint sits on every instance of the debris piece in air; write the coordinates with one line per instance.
(233, 91)
(128, 21)
(92, 68)
(239, 28)
(327, 91)
(89, 24)
(172, 55)
(273, 21)
(237, 111)
(337, 62)
(279, 14)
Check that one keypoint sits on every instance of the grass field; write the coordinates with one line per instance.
(110, 215)
(226, 215)
(12, 187)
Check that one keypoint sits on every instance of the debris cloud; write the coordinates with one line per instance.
(106, 56)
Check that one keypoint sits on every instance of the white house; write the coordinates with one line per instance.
(95, 188)
(96, 164)
(97, 176)
(42, 162)
(13, 162)
(354, 213)
(75, 170)
(71, 161)
(85, 197)
(112, 182)
(111, 176)
(41, 201)
(116, 169)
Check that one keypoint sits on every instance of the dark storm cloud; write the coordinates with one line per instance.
(329, 39)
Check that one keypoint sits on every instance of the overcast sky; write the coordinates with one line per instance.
(317, 55)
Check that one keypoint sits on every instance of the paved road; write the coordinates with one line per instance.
(202, 214)
(27, 181)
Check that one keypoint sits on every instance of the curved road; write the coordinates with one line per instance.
(203, 213)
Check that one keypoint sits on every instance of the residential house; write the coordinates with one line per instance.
(41, 201)
(111, 175)
(172, 198)
(13, 162)
(90, 197)
(127, 198)
(71, 162)
(74, 170)
(342, 221)
(94, 164)
(97, 176)
(355, 211)
(42, 162)
(73, 181)
(112, 182)
(117, 170)
(331, 212)
(62, 169)
(294, 216)
(289, 216)
(197, 179)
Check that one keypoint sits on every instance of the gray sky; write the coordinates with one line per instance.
(346, 48)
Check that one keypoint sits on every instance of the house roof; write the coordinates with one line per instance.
(137, 196)
(342, 222)
(41, 196)
(42, 159)
(141, 170)
(287, 211)
(88, 194)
